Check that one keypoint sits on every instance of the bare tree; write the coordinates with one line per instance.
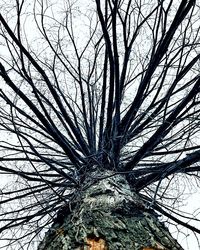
(99, 122)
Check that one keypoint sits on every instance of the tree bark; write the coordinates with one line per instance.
(108, 216)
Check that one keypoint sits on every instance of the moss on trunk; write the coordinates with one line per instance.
(108, 216)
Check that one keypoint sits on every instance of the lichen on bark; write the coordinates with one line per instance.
(108, 215)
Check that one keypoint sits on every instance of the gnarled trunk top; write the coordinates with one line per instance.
(108, 215)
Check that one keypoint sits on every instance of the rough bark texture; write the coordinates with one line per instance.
(108, 216)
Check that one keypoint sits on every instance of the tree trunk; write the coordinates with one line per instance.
(108, 215)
